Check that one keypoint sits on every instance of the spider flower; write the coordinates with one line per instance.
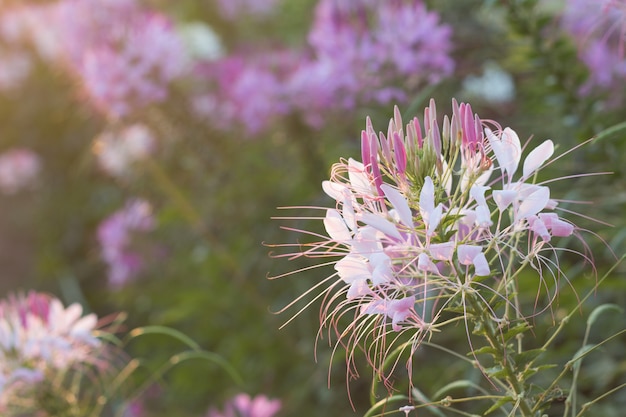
(40, 337)
(429, 214)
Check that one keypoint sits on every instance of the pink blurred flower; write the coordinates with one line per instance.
(243, 405)
(124, 56)
(116, 235)
(19, 169)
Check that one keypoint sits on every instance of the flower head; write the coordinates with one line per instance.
(430, 214)
(40, 337)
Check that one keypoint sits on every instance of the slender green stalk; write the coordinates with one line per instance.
(501, 356)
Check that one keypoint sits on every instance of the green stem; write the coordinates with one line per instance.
(500, 353)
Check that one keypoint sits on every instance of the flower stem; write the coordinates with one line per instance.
(500, 353)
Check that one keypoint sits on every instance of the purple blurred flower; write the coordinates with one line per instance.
(244, 406)
(244, 90)
(369, 51)
(115, 235)
(599, 28)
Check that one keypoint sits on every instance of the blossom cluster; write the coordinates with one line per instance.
(428, 216)
(123, 56)
(39, 337)
(116, 235)
(361, 52)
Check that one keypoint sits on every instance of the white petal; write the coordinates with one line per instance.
(352, 268)
(537, 157)
(427, 196)
(504, 198)
(336, 227)
(507, 149)
(333, 189)
(533, 203)
(381, 224)
(477, 192)
(481, 266)
(399, 203)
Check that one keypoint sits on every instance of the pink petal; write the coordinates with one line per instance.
(467, 253)
(425, 264)
(442, 251)
(539, 227)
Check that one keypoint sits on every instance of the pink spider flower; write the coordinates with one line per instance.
(429, 214)
(39, 338)
(242, 405)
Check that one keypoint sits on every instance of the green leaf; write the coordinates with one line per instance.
(464, 383)
(384, 402)
(527, 356)
(601, 309)
(514, 331)
(484, 350)
(499, 404)
(167, 331)
(496, 371)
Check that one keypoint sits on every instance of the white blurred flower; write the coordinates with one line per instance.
(117, 151)
(201, 41)
(18, 169)
(494, 86)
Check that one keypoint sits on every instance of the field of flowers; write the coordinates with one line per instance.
(268, 208)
